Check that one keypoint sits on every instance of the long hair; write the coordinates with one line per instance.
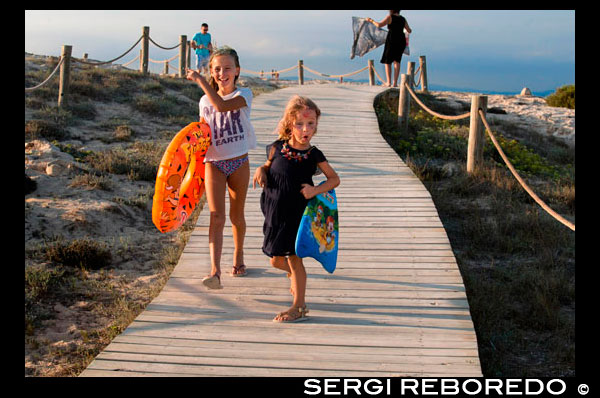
(225, 50)
(296, 104)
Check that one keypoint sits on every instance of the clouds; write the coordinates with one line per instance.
(452, 40)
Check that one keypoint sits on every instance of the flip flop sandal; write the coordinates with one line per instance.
(239, 270)
(212, 282)
(299, 317)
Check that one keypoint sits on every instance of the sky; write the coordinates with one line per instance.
(485, 50)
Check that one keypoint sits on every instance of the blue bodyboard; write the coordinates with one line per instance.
(318, 234)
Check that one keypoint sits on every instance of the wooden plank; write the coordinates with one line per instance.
(395, 306)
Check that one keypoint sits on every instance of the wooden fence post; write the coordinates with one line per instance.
(403, 103)
(423, 66)
(476, 134)
(410, 71)
(65, 75)
(144, 55)
(300, 72)
(188, 57)
(371, 73)
(182, 41)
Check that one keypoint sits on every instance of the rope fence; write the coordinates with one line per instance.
(520, 180)
(112, 60)
(184, 56)
(27, 89)
(476, 141)
(434, 113)
(143, 57)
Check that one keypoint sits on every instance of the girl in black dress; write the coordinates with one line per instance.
(395, 43)
(286, 179)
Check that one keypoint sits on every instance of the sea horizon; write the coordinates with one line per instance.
(154, 69)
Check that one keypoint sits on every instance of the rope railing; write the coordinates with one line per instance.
(277, 72)
(184, 61)
(326, 75)
(65, 63)
(112, 60)
(132, 61)
(164, 48)
(164, 60)
(520, 180)
(419, 79)
(377, 74)
(48, 78)
(261, 73)
(304, 67)
(418, 71)
(434, 113)
(512, 169)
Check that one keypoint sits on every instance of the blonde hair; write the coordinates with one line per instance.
(225, 50)
(296, 104)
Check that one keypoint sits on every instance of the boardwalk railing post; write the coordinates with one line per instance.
(300, 72)
(423, 66)
(188, 57)
(403, 103)
(476, 134)
(65, 75)
(182, 41)
(410, 71)
(144, 55)
(371, 73)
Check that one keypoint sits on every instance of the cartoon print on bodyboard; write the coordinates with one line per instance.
(318, 234)
(180, 177)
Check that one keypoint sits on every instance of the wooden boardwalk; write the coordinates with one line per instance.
(395, 306)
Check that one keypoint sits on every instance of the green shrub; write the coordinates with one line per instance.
(165, 106)
(522, 158)
(49, 130)
(139, 162)
(85, 253)
(123, 133)
(563, 97)
(40, 279)
(77, 153)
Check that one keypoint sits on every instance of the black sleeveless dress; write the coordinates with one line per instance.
(395, 42)
(281, 202)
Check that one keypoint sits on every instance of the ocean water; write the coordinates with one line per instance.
(292, 76)
(433, 87)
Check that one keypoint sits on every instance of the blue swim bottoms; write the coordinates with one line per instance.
(228, 167)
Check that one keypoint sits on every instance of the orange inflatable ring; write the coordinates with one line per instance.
(180, 178)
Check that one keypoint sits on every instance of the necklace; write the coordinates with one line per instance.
(290, 154)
